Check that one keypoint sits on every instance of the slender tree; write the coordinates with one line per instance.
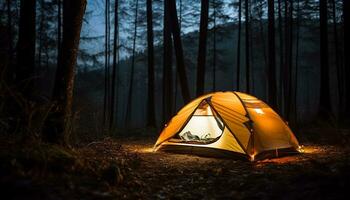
(59, 28)
(288, 51)
(167, 64)
(260, 11)
(180, 62)
(238, 65)
(281, 56)
(26, 47)
(250, 73)
(106, 98)
(176, 84)
(214, 45)
(114, 68)
(151, 120)
(132, 71)
(201, 58)
(296, 76)
(271, 72)
(7, 71)
(10, 38)
(59, 121)
(324, 104)
(346, 16)
(247, 52)
(41, 31)
(25, 68)
(4, 56)
(337, 59)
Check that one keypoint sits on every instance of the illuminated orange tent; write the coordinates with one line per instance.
(227, 123)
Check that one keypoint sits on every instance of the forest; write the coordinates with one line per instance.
(96, 95)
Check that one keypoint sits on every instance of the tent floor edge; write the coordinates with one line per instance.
(202, 151)
(271, 154)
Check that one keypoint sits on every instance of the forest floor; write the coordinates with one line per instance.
(127, 168)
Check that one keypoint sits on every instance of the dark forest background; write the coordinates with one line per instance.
(156, 56)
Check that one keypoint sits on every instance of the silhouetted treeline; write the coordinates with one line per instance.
(23, 110)
(156, 56)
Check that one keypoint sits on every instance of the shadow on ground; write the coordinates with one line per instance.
(127, 168)
(321, 172)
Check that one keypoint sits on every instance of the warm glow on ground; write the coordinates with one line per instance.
(313, 150)
(145, 150)
(305, 153)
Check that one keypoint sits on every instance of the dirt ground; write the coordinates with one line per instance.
(321, 172)
(129, 169)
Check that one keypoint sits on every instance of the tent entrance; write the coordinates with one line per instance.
(203, 127)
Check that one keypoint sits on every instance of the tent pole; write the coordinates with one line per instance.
(250, 128)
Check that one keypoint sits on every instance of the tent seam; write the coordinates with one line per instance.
(250, 129)
(239, 142)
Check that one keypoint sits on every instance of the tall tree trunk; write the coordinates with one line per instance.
(287, 69)
(290, 58)
(59, 123)
(167, 64)
(114, 69)
(247, 52)
(6, 76)
(251, 52)
(324, 104)
(132, 71)
(296, 73)
(214, 48)
(338, 60)
(26, 48)
(10, 38)
(180, 62)
(346, 16)
(175, 73)
(238, 72)
(262, 36)
(106, 98)
(180, 14)
(281, 58)
(47, 56)
(118, 112)
(151, 119)
(24, 72)
(4, 57)
(59, 29)
(272, 59)
(202, 48)
(41, 32)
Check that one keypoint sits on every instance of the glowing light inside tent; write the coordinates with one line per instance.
(201, 127)
(259, 111)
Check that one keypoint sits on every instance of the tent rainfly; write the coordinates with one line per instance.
(226, 124)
